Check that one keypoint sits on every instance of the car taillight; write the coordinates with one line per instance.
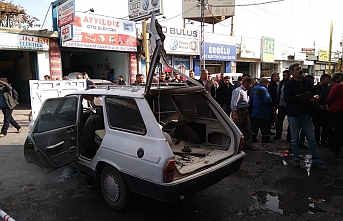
(241, 144)
(168, 174)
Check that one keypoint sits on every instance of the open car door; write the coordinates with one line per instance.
(52, 142)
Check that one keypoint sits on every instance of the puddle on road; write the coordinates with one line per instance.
(299, 195)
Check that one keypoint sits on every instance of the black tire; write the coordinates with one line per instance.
(114, 189)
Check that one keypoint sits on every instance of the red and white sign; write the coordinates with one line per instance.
(133, 68)
(67, 33)
(103, 33)
(66, 13)
(55, 60)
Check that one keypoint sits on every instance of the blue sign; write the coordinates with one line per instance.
(220, 52)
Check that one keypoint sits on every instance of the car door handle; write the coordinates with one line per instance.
(55, 145)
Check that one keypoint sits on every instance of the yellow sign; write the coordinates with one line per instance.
(323, 55)
(268, 46)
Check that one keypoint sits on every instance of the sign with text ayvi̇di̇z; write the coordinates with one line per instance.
(268, 46)
(102, 33)
(66, 13)
(141, 9)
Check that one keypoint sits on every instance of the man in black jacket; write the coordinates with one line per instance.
(272, 88)
(320, 119)
(300, 97)
(282, 107)
(224, 95)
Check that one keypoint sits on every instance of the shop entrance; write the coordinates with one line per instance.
(19, 67)
(95, 62)
(214, 67)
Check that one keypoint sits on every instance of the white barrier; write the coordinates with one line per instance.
(5, 216)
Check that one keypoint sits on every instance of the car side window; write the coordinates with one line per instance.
(123, 114)
(57, 113)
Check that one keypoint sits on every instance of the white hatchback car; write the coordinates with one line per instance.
(164, 142)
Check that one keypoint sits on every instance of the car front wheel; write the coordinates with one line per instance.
(114, 189)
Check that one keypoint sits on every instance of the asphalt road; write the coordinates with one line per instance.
(264, 189)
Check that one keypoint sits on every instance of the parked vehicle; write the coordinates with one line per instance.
(161, 142)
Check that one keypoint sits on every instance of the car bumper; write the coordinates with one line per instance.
(171, 192)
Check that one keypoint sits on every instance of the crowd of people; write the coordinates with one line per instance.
(314, 112)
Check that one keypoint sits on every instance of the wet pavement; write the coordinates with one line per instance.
(267, 187)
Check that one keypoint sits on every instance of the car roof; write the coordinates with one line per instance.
(138, 91)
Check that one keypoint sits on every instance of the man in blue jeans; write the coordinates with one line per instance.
(300, 96)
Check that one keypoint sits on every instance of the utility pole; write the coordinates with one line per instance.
(202, 4)
(330, 48)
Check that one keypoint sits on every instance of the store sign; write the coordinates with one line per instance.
(268, 46)
(219, 52)
(250, 48)
(66, 13)
(299, 56)
(219, 47)
(23, 42)
(67, 33)
(281, 51)
(182, 63)
(55, 60)
(133, 68)
(215, 8)
(323, 55)
(103, 33)
(308, 51)
(141, 9)
(181, 41)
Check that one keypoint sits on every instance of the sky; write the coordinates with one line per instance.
(299, 23)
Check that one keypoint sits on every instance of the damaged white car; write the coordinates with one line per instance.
(164, 142)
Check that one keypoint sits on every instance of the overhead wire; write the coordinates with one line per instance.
(251, 4)
(179, 14)
(46, 16)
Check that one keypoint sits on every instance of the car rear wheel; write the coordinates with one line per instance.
(114, 189)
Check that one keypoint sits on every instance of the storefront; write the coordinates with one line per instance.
(181, 46)
(249, 58)
(24, 56)
(261, 57)
(219, 54)
(98, 45)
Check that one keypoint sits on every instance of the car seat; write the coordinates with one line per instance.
(93, 123)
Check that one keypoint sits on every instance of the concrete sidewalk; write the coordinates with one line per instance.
(21, 115)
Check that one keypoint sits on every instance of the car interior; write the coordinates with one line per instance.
(93, 127)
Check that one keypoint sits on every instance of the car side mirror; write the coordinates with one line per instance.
(47, 117)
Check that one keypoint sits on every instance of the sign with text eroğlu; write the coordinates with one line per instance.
(66, 13)
(141, 9)
(103, 33)
(219, 47)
